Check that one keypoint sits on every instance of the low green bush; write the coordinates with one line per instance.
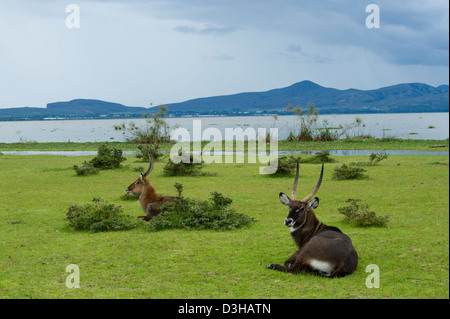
(286, 165)
(345, 172)
(99, 216)
(360, 215)
(184, 213)
(86, 169)
(107, 157)
(185, 169)
(129, 197)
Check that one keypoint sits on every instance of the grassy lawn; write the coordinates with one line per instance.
(345, 144)
(412, 253)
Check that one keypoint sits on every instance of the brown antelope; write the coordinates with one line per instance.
(322, 249)
(150, 201)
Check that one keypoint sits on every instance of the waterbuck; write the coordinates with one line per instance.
(149, 199)
(322, 249)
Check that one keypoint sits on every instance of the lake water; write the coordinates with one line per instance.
(409, 125)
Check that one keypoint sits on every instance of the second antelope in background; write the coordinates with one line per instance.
(149, 199)
(321, 249)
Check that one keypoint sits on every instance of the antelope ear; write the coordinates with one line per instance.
(314, 203)
(284, 199)
(142, 178)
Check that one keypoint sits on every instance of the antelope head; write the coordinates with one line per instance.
(299, 211)
(139, 185)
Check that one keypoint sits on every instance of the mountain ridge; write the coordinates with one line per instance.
(399, 98)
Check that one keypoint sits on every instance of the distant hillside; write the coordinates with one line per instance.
(411, 97)
(400, 98)
(79, 108)
(92, 106)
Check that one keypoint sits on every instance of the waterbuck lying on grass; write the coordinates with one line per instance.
(322, 249)
(150, 201)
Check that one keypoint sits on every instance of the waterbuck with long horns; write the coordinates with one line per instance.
(322, 249)
(149, 199)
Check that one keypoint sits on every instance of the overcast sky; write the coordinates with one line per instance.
(140, 52)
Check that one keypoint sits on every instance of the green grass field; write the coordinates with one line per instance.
(344, 144)
(412, 253)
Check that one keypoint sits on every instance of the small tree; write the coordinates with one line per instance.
(156, 129)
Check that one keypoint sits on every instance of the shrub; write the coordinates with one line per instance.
(184, 169)
(129, 197)
(309, 129)
(99, 216)
(319, 158)
(148, 149)
(185, 213)
(360, 215)
(375, 158)
(286, 165)
(86, 169)
(349, 172)
(107, 157)
(308, 123)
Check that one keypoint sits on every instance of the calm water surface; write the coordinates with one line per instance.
(409, 125)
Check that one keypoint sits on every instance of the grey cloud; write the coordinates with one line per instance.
(295, 48)
(294, 52)
(206, 30)
(224, 57)
(412, 32)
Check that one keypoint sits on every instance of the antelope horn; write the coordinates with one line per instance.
(294, 187)
(308, 198)
(150, 167)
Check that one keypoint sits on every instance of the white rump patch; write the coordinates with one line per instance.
(321, 266)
